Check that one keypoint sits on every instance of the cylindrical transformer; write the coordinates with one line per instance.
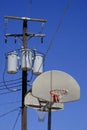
(26, 59)
(12, 62)
(38, 64)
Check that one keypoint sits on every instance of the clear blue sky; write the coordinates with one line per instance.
(68, 53)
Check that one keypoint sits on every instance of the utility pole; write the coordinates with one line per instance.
(24, 80)
(24, 36)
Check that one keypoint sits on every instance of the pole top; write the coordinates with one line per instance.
(25, 18)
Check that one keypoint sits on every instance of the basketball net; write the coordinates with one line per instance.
(41, 115)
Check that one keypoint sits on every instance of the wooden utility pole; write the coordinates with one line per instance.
(24, 80)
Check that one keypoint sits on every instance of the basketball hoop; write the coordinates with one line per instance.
(57, 94)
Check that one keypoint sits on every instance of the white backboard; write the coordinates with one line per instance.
(55, 79)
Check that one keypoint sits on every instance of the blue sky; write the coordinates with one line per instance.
(68, 53)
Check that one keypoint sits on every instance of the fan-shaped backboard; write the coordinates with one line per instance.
(31, 101)
(52, 80)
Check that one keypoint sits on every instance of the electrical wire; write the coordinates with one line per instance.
(11, 80)
(13, 110)
(11, 87)
(16, 119)
(10, 92)
(11, 84)
(10, 103)
(58, 27)
(30, 1)
(55, 33)
(6, 37)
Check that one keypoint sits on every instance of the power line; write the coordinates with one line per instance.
(13, 110)
(11, 84)
(30, 2)
(11, 80)
(17, 119)
(10, 92)
(11, 87)
(10, 103)
(58, 27)
(56, 31)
